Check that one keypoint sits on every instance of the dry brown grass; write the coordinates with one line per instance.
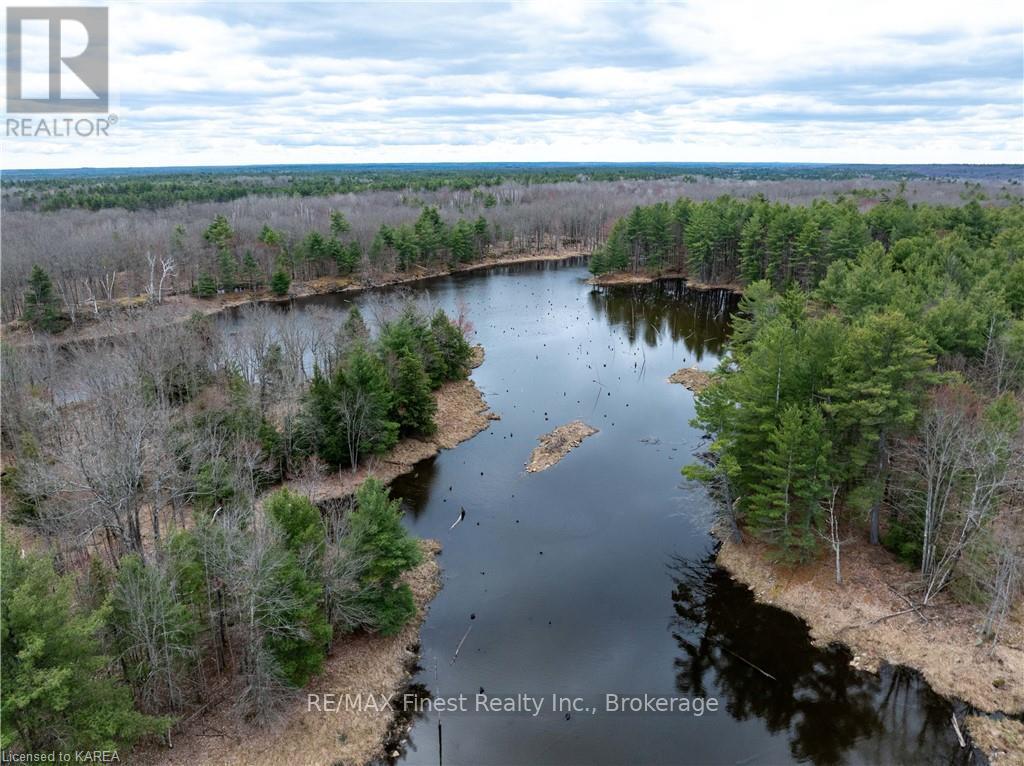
(691, 378)
(1001, 740)
(945, 648)
(646, 278)
(360, 664)
(622, 278)
(556, 445)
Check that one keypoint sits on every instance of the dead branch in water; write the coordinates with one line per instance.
(457, 648)
(755, 667)
(956, 728)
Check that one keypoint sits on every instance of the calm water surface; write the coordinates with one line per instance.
(597, 575)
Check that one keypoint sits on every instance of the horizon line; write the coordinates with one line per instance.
(507, 163)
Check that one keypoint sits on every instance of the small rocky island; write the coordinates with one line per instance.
(692, 378)
(557, 444)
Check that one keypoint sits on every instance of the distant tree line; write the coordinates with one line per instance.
(152, 190)
(96, 260)
(156, 190)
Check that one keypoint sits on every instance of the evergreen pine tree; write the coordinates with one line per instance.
(412, 332)
(700, 242)
(354, 327)
(280, 281)
(598, 263)
(848, 235)
(339, 224)
(298, 654)
(299, 522)
(347, 257)
(454, 349)
(808, 254)
(414, 405)
(480, 236)
(364, 387)
(752, 248)
(348, 414)
(206, 286)
(251, 270)
(57, 694)
(784, 505)
(40, 302)
(376, 536)
(879, 376)
(219, 233)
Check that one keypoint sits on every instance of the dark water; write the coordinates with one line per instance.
(597, 576)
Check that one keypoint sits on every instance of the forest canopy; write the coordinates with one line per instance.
(102, 261)
(183, 559)
(873, 383)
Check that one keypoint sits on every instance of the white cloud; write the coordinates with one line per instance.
(875, 81)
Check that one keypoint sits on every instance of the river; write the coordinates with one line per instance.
(597, 576)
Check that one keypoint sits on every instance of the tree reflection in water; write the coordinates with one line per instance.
(667, 311)
(398, 743)
(831, 712)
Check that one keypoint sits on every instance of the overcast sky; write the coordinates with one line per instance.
(821, 81)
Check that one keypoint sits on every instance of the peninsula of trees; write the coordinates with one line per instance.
(873, 383)
(152, 566)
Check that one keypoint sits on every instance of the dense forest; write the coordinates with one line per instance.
(155, 190)
(180, 563)
(152, 189)
(98, 260)
(874, 382)
(729, 240)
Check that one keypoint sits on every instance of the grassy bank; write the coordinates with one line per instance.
(870, 613)
(615, 278)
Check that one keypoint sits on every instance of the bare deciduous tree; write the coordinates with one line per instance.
(153, 633)
(961, 467)
(245, 555)
(832, 534)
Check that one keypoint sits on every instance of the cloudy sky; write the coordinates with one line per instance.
(819, 81)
